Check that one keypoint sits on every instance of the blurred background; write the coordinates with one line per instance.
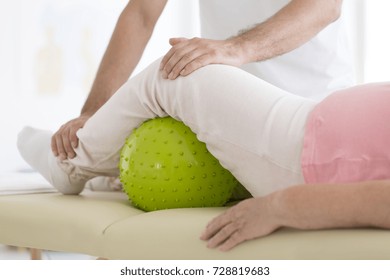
(50, 51)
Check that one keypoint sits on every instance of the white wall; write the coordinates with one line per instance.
(49, 53)
(369, 22)
(377, 41)
(354, 10)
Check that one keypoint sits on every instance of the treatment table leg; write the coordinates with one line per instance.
(35, 254)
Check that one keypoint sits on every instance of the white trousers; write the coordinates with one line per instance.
(254, 129)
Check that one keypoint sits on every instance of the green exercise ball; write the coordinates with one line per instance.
(163, 165)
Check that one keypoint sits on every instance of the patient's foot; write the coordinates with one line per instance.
(34, 147)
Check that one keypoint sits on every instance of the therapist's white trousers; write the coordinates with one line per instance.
(254, 129)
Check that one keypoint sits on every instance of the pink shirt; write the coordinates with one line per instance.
(347, 136)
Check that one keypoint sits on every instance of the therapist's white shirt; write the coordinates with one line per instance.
(317, 68)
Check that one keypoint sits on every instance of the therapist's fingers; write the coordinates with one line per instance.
(58, 145)
(175, 43)
(182, 51)
(63, 144)
(65, 140)
(188, 63)
(188, 55)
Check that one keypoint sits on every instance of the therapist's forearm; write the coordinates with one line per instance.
(322, 206)
(292, 26)
(123, 53)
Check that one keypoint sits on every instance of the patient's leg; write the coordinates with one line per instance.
(253, 128)
(34, 147)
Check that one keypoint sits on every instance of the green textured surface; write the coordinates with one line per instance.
(163, 165)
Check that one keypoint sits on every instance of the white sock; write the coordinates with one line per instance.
(35, 148)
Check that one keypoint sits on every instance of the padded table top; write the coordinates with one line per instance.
(62, 223)
(107, 225)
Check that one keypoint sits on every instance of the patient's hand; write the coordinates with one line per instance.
(247, 220)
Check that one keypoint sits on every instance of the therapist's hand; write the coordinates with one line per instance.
(65, 140)
(188, 55)
(247, 220)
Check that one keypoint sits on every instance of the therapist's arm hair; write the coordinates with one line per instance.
(291, 27)
(132, 32)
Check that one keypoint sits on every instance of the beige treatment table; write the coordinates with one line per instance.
(106, 225)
